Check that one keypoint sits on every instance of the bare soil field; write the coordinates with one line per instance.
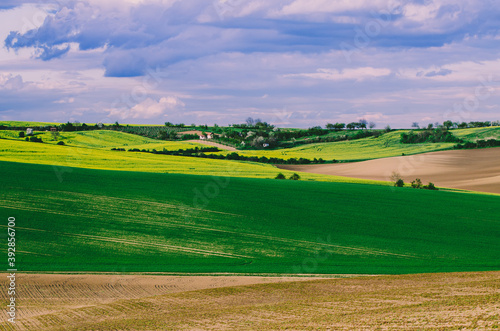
(411, 302)
(39, 296)
(212, 143)
(476, 170)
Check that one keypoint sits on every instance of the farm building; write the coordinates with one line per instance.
(29, 131)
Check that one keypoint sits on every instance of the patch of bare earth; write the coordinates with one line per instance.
(45, 300)
(214, 144)
(476, 170)
(409, 302)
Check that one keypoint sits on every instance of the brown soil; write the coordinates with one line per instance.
(411, 302)
(476, 170)
(211, 143)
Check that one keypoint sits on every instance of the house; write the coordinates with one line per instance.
(208, 135)
(53, 129)
(29, 131)
(265, 145)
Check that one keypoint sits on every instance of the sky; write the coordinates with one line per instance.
(292, 63)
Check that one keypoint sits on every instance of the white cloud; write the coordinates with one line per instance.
(358, 74)
(327, 6)
(149, 109)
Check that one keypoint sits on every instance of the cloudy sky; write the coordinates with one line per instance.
(295, 63)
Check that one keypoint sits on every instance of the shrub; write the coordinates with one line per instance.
(294, 177)
(431, 186)
(61, 143)
(399, 183)
(21, 134)
(417, 183)
(280, 176)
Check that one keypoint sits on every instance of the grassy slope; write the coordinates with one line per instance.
(104, 140)
(123, 221)
(103, 158)
(26, 124)
(478, 133)
(386, 145)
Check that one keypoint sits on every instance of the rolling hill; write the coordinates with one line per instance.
(118, 221)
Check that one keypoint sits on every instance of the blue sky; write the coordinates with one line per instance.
(295, 63)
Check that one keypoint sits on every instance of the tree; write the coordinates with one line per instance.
(330, 126)
(463, 125)
(55, 135)
(448, 124)
(388, 128)
(351, 126)
(339, 126)
(431, 186)
(294, 177)
(395, 176)
(417, 183)
(372, 125)
(430, 126)
(250, 121)
(280, 176)
(21, 134)
(362, 123)
(415, 125)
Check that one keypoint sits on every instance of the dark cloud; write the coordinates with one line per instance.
(442, 72)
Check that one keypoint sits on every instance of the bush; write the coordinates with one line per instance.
(61, 143)
(294, 177)
(399, 183)
(417, 183)
(21, 134)
(280, 176)
(431, 186)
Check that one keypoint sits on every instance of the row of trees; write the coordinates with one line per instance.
(439, 135)
(362, 124)
(478, 144)
(456, 125)
(200, 152)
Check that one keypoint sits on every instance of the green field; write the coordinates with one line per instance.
(95, 220)
(103, 139)
(18, 150)
(386, 145)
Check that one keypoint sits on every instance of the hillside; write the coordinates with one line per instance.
(142, 222)
(476, 169)
(386, 145)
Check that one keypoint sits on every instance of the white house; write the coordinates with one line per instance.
(204, 137)
(29, 131)
(265, 145)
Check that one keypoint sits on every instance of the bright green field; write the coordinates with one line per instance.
(96, 220)
(478, 133)
(98, 158)
(386, 145)
(104, 140)
(26, 124)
